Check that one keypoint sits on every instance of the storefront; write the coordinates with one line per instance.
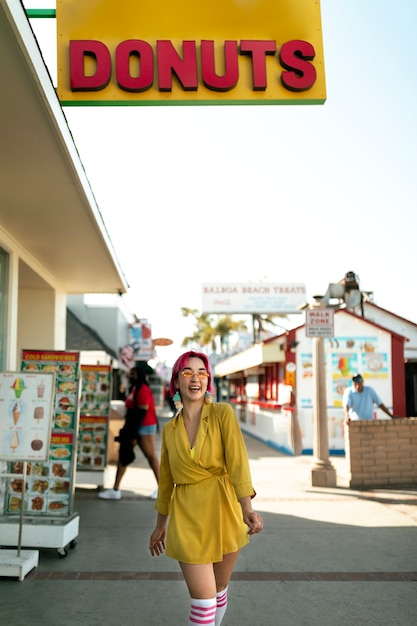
(272, 384)
(53, 242)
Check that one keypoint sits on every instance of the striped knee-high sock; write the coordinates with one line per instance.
(221, 601)
(202, 612)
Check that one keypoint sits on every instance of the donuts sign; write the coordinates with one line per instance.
(190, 52)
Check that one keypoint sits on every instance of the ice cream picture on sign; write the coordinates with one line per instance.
(38, 413)
(15, 441)
(18, 386)
(36, 444)
(16, 413)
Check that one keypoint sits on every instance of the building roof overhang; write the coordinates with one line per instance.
(258, 354)
(272, 350)
(46, 202)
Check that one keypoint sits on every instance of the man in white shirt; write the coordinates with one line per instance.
(359, 401)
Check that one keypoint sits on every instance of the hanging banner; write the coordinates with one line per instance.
(185, 52)
(140, 339)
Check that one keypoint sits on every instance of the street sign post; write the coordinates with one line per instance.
(320, 322)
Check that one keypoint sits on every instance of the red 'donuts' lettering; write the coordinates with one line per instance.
(91, 65)
(295, 56)
(99, 53)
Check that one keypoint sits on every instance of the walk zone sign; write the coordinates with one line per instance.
(320, 322)
(189, 52)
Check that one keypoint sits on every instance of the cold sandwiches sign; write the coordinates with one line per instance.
(133, 52)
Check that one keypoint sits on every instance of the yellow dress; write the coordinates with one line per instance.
(201, 495)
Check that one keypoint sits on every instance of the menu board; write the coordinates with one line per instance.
(94, 417)
(26, 403)
(50, 483)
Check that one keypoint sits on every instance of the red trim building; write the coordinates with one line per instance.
(271, 383)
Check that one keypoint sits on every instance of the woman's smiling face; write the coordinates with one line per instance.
(193, 380)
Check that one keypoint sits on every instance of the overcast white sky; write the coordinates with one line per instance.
(278, 193)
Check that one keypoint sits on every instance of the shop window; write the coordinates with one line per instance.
(237, 389)
(262, 388)
(270, 383)
(252, 387)
(4, 288)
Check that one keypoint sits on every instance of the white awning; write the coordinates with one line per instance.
(46, 203)
(252, 357)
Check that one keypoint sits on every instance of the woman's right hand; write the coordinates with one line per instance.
(157, 541)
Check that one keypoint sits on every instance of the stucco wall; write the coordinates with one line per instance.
(382, 453)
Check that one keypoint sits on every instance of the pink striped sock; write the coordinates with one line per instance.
(202, 612)
(221, 599)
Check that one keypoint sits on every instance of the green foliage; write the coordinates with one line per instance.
(209, 327)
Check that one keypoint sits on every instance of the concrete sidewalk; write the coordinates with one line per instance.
(326, 556)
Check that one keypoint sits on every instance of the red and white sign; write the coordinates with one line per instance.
(140, 339)
(320, 322)
(249, 298)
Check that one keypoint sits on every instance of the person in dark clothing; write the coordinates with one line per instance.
(169, 400)
(139, 428)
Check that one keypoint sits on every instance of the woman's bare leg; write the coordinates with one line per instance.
(203, 581)
(147, 444)
(223, 571)
(120, 472)
(200, 580)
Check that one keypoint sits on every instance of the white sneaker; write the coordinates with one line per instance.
(110, 494)
(154, 495)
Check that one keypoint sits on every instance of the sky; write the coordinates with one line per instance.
(279, 194)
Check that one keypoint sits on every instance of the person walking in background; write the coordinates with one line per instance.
(205, 490)
(139, 428)
(359, 401)
(169, 400)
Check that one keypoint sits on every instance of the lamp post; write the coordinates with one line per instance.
(323, 473)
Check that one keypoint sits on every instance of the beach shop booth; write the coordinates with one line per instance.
(272, 383)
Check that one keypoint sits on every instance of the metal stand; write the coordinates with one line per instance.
(39, 532)
(18, 563)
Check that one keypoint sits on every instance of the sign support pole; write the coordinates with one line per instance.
(323, 473)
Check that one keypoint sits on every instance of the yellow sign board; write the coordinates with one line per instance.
(163, 52)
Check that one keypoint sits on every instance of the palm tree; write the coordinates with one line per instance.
(260, 321)
(226, 325)
(208, 328)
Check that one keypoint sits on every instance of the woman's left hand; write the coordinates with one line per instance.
(254, 521)
(157, 542)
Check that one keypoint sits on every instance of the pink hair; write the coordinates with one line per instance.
(182, 361)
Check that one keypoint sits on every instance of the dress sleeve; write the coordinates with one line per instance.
(166, 482)
(236, 456)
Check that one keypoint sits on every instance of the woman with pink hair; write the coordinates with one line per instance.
(204, 503)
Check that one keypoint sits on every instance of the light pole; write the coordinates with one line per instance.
(320, 324)
(323, 473)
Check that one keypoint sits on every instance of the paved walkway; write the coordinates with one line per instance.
(326, 556)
